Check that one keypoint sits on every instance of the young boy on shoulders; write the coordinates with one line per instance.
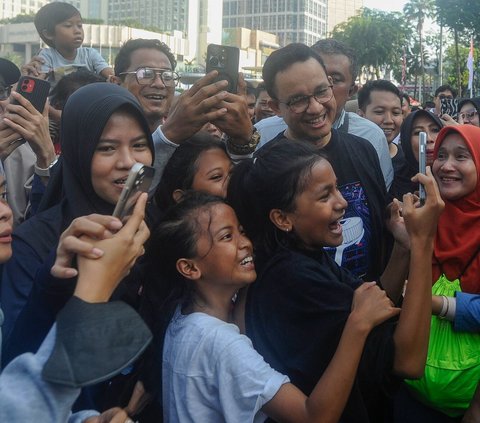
(60, 27)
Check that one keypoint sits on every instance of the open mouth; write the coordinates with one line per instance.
(318, 121)
(120, 181)
(155, 97)
(247, 262)
(336, 226)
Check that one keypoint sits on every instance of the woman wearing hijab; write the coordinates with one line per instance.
(453, 363)
(104, 133)
(416, 122)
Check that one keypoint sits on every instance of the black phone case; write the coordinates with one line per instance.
(449, 106)
(225, 60)
(34, 90)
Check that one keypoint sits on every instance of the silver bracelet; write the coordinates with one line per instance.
(444, 309)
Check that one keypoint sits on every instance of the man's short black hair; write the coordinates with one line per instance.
(281, 59)
(446, 87)
(330, 46)
(122, 61)
(406, 97)
(51, 15)
(251, 89)
(377, 85)
(260, 88)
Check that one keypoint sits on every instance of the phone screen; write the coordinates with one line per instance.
(449, 106)
(422, 163)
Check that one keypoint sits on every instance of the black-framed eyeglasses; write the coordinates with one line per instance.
(146, 76)
(445, 96)
(301, 104)
(469, 115)
(5, 92)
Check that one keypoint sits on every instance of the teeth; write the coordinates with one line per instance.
(155, 97)
(247, 260)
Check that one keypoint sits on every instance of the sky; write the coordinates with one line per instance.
(387, 5)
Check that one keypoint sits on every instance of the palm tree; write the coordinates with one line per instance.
(417, 11)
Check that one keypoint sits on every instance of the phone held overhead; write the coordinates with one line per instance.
(225, 60)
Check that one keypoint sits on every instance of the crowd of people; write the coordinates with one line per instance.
(281, 266)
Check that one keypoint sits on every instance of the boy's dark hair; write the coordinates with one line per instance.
(51, 15)
(71, 83)
(122, 61)
(281, 59)
(331, 46)
(406, 97)
(182, 166)
(446, 87)
(260, 87)
(251, 89)
(274, 179)
(377, 85)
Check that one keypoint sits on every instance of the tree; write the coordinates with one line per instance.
(376, 37)
(417, 11)
(462, 18)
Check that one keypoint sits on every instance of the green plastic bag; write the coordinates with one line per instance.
(452, 371)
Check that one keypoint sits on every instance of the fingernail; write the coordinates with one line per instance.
(97, 252)
(71, 273)
(115, 224)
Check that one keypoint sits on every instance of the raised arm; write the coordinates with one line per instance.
(412, 332)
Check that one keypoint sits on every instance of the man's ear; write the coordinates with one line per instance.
(188, 269)
(275, 106)
(177, 195)
(281, 220)
(353, 90)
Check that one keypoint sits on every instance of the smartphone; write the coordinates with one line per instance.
(449, 106)
(422, 163)
(225, 60)
(34, 90)
(138, 181)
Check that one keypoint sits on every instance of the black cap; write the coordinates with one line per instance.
(9, 71)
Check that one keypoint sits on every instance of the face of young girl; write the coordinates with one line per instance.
(224, 253)
(424, 124)
(454, 168)
(319, 209)
(122, 144)
(213, 169)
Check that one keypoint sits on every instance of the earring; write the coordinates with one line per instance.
(287, 230)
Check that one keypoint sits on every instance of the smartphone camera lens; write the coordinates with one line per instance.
(214, 61)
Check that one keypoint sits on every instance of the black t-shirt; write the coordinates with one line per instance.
(366, 241)
(295, 315)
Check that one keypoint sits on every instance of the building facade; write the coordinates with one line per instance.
(293, 21)
(340, 10)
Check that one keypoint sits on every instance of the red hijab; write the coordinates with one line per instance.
(458, 233)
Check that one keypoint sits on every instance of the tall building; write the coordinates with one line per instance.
(302, 21)
(12, 8)
(340, 10)
(198, 20)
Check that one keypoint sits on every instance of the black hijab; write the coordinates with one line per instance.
(406, 137)
(84, 117)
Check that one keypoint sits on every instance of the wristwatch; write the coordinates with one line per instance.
(244, 148)
(45, 172)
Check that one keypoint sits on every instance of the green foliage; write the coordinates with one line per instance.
(19, 19)
(450, 65)
(377, 37)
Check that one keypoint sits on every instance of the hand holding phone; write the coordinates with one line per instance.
(34, 90)
(422, 161)
(138, 181)
(225, 60)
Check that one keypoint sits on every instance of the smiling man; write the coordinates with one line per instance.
(380, 102)
(302, 94)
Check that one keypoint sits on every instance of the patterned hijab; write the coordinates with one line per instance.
(458, 233)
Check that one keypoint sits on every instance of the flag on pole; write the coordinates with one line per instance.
(470, 66)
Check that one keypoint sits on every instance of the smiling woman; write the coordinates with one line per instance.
(104, 133)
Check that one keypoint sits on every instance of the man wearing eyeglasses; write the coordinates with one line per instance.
(301, 93)
(147, 69)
